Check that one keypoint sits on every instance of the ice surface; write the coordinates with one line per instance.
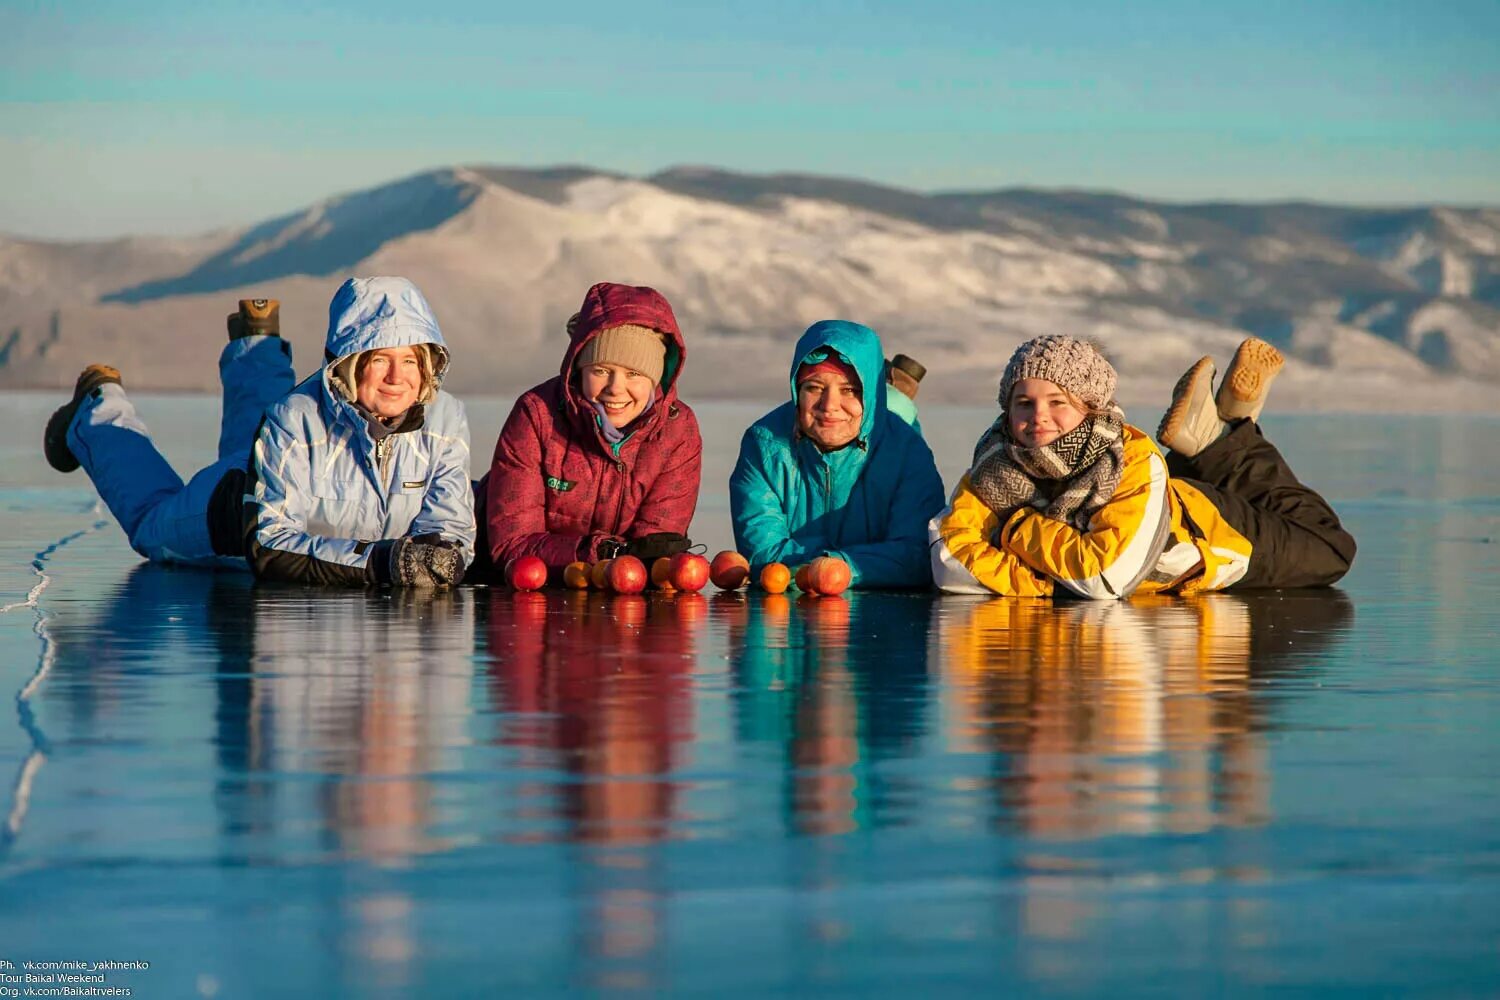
(279, 791)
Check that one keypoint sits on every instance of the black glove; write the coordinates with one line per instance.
(607, 548)
(407, 562)
(656, 545)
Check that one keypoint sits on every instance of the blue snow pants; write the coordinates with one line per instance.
(165, 519)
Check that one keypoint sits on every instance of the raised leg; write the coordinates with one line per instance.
(1297, 538)
(255, 372)
(165, 519)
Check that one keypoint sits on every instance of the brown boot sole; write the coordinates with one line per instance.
(55, 437)
(1195, 384)
(1249, 377)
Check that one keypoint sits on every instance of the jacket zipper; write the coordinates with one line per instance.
(382, 461)
(620, 504)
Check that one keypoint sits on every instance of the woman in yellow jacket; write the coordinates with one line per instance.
(1062, 492)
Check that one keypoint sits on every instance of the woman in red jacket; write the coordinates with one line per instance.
(603, 458)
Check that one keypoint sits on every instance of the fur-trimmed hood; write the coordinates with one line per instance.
(369, 314)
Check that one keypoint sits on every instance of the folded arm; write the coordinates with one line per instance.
(901, 559)
(963, 559)
(1124, 540)
(762, 531)
(277, 510)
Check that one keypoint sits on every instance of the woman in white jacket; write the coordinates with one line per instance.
(359, 475)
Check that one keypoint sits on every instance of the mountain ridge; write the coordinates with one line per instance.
(1365, 297)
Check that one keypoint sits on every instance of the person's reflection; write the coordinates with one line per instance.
(368, 694)
(1131, 717)
(599, 688)
(837, 684)
(330, 710)
(1145, 718)
(370, 690)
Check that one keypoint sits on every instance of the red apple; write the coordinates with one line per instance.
(828, 575)
(689, 572)
(729, 570)
(627, 575)
(526, 573)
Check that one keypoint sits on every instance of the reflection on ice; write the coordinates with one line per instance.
(599, 688)
(838, 685)
(1134, 717)
(485, 792)
(361, 713)
(572, 744)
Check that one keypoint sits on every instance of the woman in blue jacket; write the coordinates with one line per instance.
(834, 471)
(360, 475)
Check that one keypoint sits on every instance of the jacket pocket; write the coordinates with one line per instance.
(335, 508)
(404, 504)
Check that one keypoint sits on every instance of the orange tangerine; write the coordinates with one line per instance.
(599, 574)
(661, 573)
(576, 576)
(774, 578)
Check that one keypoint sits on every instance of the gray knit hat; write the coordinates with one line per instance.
(1075, 365)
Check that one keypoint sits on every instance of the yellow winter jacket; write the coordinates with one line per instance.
(1156, 534)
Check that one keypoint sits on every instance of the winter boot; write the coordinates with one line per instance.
(905, 374)
(257, 317)
(55, 437)
(1243, 391)
(1192, 423)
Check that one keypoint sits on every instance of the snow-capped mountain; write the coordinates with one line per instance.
(1392, 308)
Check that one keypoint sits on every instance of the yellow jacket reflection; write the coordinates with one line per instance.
(1110, 718)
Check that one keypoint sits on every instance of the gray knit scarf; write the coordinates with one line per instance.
(1067, 480)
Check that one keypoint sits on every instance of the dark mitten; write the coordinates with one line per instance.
(598, 546)
(411, 563)
(445, 563)
(657, 544)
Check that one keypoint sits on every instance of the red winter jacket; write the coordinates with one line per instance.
(556, 490)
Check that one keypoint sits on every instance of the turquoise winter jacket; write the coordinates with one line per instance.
(867, 503)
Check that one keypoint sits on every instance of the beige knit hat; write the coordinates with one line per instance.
(1075, 365)
(638, 348)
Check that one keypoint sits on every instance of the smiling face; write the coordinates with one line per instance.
(389, 381)
(829, 409)
(1040, 412)
(623, 392)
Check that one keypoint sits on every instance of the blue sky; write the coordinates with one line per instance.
(179, 117)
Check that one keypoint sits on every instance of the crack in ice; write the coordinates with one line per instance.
(21, 789)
